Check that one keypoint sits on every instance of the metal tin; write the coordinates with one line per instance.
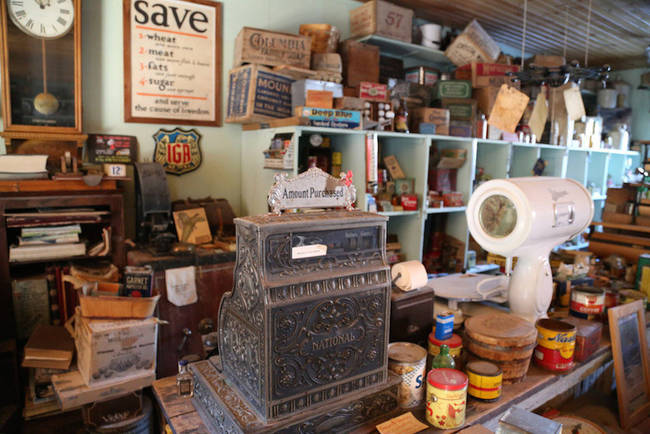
(455, 344)
(611, 298)
(444, 325)
(422, 75)
(586, 301)
(556, 341)
(138, 281)
(446, 398)
(409, 362)
(485, 380)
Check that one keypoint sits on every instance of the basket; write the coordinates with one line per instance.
(106, 306)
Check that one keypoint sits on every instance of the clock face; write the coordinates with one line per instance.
(43, 19)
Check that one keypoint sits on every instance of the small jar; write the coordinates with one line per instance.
(184, 380)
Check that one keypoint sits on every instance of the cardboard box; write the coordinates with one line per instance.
(327, 62)
(437, 116)
(272, 48)
(372, 91)
(380, 17)
(452, 158)
(460, 109)
(360, 62)
(349, 103)
(329, 118)
(460, 128)
(72, 392)
(256, 93)
(320, 99)
(112, 349)
(485, 72)
(390, 67)
(452, 89)
(547, 61)
(393, 167)
(299, 90)
(474, 44)
(485, 98)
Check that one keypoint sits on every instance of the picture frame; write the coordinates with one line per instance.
(627, 328)
(169, 75)
(192, 226)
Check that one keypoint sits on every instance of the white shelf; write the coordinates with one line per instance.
(395, 48)
(445, 209)
(598, 197)
(397, 213)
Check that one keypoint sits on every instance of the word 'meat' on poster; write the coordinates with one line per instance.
(173, 60)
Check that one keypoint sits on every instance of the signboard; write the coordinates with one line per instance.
(172, 62)
(312, 189)
(108, 148)
(177, 150)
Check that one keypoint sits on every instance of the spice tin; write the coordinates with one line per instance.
(446, 398)
(587, 302)
(455, 344)
(409, 362)
(138, 281)
(556, 341)
(422, 75)
(444, 325)
(485, 380)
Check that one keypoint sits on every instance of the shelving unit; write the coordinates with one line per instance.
(412, 54)
(498, 158)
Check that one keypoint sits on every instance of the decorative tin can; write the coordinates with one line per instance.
(611, 298)
(556, 341)
(446, 398)
(587, 302)
(444, 325)
(138, 281)
(485, 380)
(409, 362)
(455, 344)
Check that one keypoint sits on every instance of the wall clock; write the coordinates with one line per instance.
(41, 66)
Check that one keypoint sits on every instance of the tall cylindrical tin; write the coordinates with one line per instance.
(446, 398)
(556, 341)
(409, 362)
(485, 380)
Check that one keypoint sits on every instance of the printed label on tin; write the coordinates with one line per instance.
(308, 251)
(410, 392)
(445, 409)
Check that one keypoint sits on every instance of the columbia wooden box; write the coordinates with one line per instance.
(256, 93)
(272, 48)
(381, 18)
(112, 349)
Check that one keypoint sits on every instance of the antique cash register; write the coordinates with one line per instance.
(303, 335)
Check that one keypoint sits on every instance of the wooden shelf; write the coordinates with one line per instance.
(44, 185)
(445, 209)
(397, 213)
(636, 228)
(45, 261)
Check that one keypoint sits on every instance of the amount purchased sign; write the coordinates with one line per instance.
(172, 61)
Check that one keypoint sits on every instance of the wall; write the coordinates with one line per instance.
(103, 84)
(639, 101)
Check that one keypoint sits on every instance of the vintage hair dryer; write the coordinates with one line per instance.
(526, 218)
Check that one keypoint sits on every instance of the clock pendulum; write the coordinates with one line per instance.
(45, 103)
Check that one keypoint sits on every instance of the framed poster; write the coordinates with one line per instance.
(627, 328)
(172, 62)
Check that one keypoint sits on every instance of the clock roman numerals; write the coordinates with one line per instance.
(21, 14)
(30, 24)
(64, 11)
(43, 18)
(61, 21)
(17, 3)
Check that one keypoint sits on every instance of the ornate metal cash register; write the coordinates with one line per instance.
(303, 335)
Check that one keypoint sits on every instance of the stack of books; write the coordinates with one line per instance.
(48, 242)
(23, 167)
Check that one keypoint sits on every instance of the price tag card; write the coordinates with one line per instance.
(575, 107)
(403, 424)
(508, 108)
(539, 115)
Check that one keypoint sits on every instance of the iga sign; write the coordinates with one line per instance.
(177, 150)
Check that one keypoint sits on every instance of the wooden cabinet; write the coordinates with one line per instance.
(214, 277)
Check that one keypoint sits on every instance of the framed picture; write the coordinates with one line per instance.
(627, 329)
(172, 62)
(192, 226)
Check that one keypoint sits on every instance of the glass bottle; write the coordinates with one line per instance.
(443, 359)
(184, 380)
(401, 118)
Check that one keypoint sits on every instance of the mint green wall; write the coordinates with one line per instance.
(639, 101)
(103, 84)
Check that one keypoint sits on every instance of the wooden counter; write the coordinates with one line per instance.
(537, 388)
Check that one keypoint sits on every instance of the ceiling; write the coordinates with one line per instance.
(620, 29)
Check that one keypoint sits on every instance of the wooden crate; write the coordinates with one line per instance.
(360, 62)
(256, 94)
(381, 18)
(474, 44)
(272, 48)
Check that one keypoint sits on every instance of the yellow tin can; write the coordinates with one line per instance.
(485, 380)
(556, 342)
(446, 398)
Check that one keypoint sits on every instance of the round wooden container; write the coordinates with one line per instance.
(504, 339)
